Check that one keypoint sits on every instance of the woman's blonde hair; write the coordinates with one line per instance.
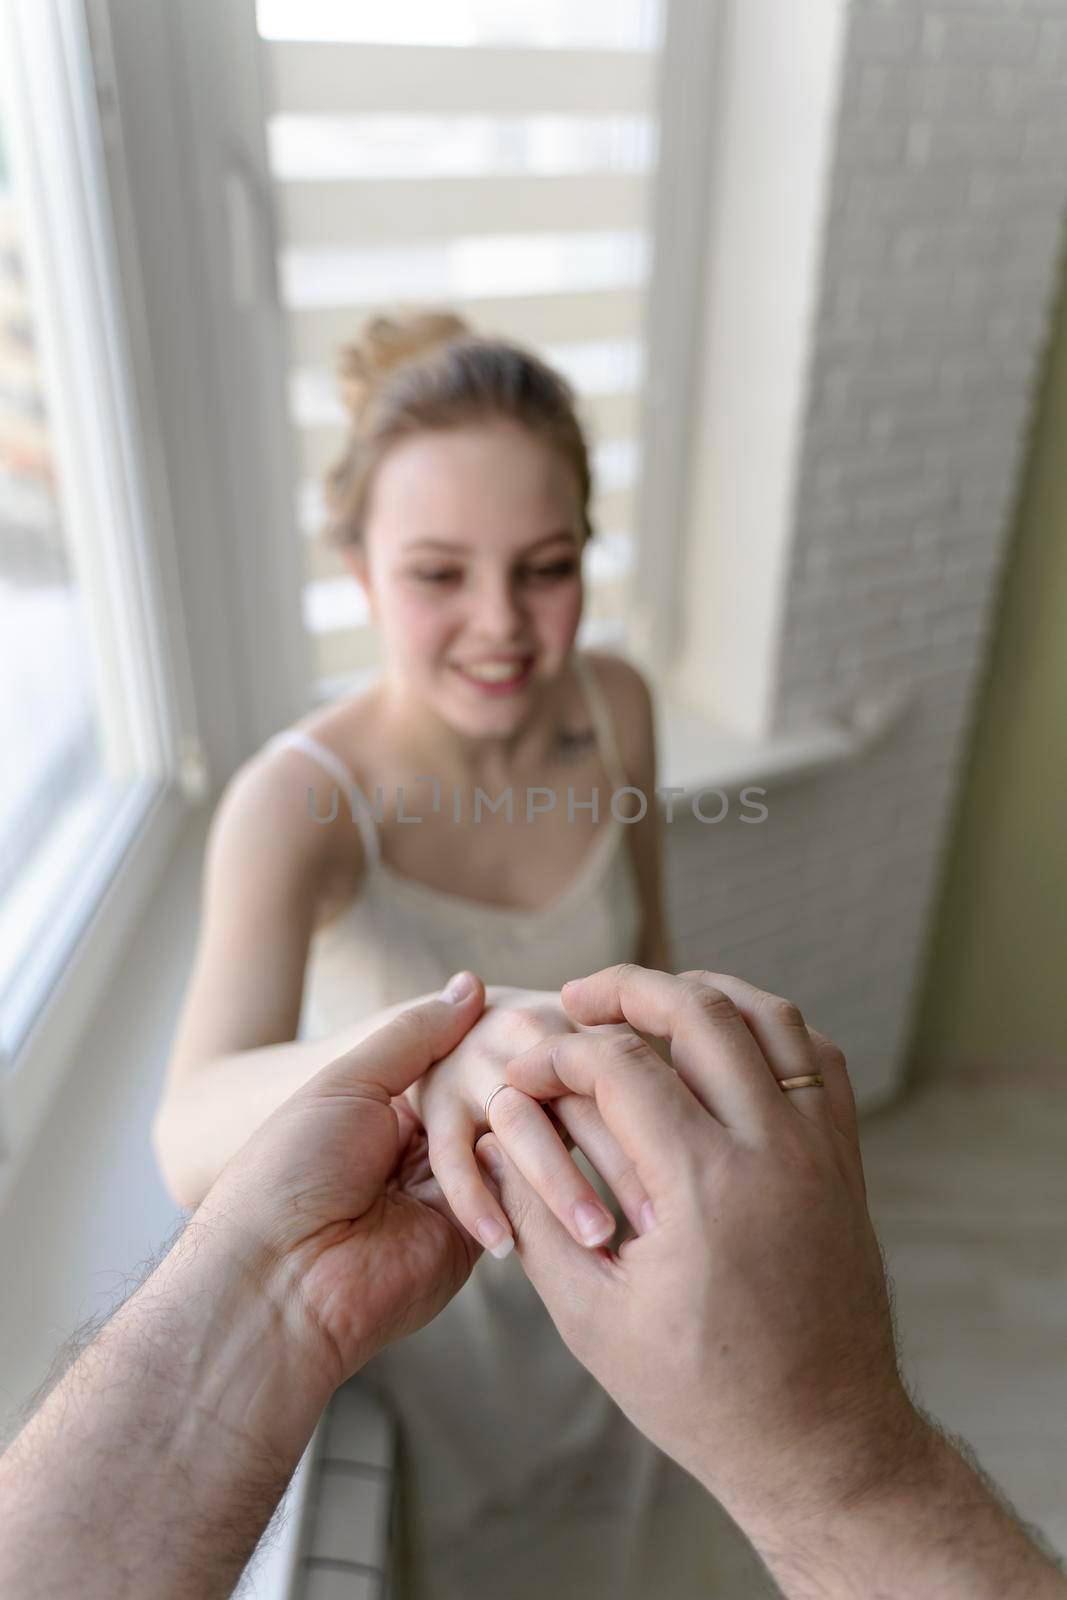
(428, 371)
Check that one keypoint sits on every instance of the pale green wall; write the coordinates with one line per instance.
(997, 981)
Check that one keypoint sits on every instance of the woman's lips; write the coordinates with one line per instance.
(494, 686)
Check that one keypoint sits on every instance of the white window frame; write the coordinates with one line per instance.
(748, 137)
(98, 417)
(688, 120)
(189, 258)
(778, 81)
(185, 120)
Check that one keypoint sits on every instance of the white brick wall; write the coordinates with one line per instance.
(943, 229)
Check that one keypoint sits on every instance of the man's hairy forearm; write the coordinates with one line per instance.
(935, 1528)
(155, 1464)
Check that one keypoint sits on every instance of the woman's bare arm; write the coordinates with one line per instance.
(234, 1058)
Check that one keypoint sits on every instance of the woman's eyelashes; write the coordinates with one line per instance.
(556, 572)
(441, 578)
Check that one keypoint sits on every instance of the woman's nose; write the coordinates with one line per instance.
(498, 612)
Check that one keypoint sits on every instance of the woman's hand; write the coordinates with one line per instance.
(450, 1099)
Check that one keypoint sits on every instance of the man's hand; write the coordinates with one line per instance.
(751, 1314)
(156, 1463)
(334, 1201)
(747, 1330)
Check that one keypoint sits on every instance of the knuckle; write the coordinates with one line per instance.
(576, 1112)
(625, 1048)
(465, 1193)
(710, 1002)
(783, 1014)
(445, 1151)
(523, 1212)
(474, 1195)
(699, 975)
(509, 1110)
(626, 972)
(529, 1022)
(830, 1055)
(616, 1083)
(624, 1177)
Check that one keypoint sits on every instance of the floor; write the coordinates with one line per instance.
(967, 1180)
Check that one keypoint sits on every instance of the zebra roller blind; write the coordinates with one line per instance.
(495, 156)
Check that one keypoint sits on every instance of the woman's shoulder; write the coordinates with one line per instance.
(619, 676)
(345, 730)
(298, 779)
(630, 702)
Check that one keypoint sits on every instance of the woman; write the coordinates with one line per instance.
(462, 508)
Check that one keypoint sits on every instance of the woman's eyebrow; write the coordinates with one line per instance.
(445, 544)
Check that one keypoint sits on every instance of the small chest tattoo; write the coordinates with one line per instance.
(573, 743)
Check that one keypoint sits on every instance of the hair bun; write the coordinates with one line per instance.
(387, 343)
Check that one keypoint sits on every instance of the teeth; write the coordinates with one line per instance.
(496, 671)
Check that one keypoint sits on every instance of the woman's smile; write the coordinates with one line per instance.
(497, 675)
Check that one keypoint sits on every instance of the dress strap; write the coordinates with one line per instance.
(297, 739)
(603, 723)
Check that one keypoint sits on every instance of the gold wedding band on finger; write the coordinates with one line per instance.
(809, 1080)
(494, 1092)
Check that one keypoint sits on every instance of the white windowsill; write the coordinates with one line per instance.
(695, 754)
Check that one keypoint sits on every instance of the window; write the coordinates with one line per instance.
(496, 157)
(87, 721)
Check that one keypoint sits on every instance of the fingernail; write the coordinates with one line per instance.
(497, 1240)
(647, 1219)
(594, 1223)
(572, 983)
(458, 987)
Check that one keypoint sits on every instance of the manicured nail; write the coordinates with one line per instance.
(458, 987)
(497, 1240)
(594, 1223)
(647, 1218)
